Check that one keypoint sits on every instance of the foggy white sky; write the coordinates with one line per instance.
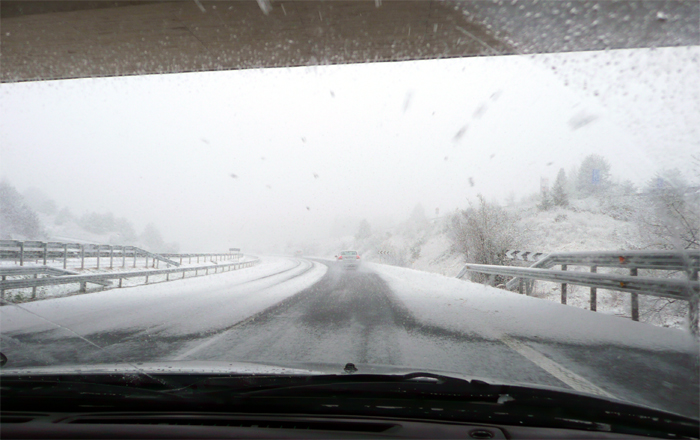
(379, 137)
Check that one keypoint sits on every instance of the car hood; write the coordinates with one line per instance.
(243, 368)
(221, 367)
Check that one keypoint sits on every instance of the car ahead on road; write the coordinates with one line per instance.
(349, 259)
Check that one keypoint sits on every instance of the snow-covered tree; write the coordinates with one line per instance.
(153, 240)
(483, 233)
(572, 181)
(559, 191)
(63, 216)
(364, 231)
(593, 175)
(17, 220)
(39, 201)
(124, 232)
(418, 215)
(669, 213)
(97, 223)
(546, 202)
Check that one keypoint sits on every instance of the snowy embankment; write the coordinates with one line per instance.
(586, 228)
(582, 227)
(184, 306)
(468, 307)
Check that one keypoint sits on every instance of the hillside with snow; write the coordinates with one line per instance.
(592, 223)
(35, 216)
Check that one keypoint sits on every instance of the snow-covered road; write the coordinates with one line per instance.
(302, 311)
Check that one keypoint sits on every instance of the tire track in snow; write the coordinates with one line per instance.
(271, 309)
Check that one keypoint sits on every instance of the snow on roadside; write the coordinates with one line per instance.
(559, 230)
(469, 307)
(184, 306)
(436, 257)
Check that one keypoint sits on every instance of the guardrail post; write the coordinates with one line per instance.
(198, 258)
(120, 282)
(36, 275)
(134, 257)
(21, 254)
(167, 276)
(180, 259)
(46, 251)
(563, 287)
(83, 287)
(65, 255)
(693, 317)
(123, 257)
(82, 256)
(146, 266)
(594, 292)
(98, 255)
(2, 291)
(634, 299)
(111, 257)
(190, 261)
(146, 279)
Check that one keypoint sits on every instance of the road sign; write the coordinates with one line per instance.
(595, 176)
(524, 255)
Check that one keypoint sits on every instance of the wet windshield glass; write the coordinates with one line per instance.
(204, 212)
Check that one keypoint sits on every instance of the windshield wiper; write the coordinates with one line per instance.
(278, 385)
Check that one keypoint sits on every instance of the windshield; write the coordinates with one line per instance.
(192, 220)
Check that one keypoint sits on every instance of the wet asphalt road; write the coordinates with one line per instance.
(353, 316)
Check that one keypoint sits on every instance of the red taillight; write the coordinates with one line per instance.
(358, 257)
(340, 257)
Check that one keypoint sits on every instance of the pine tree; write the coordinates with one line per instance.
(593, 175)
(559, 195)
(17, 220)
(546, 202)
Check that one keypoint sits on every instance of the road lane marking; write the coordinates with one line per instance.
(565, 375)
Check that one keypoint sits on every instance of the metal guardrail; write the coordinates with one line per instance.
(664, 288)
(204, 256)
(659, 260)
(687, 262)
(40, 270)
(22, 251)
(102, 278)
(34, 270)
